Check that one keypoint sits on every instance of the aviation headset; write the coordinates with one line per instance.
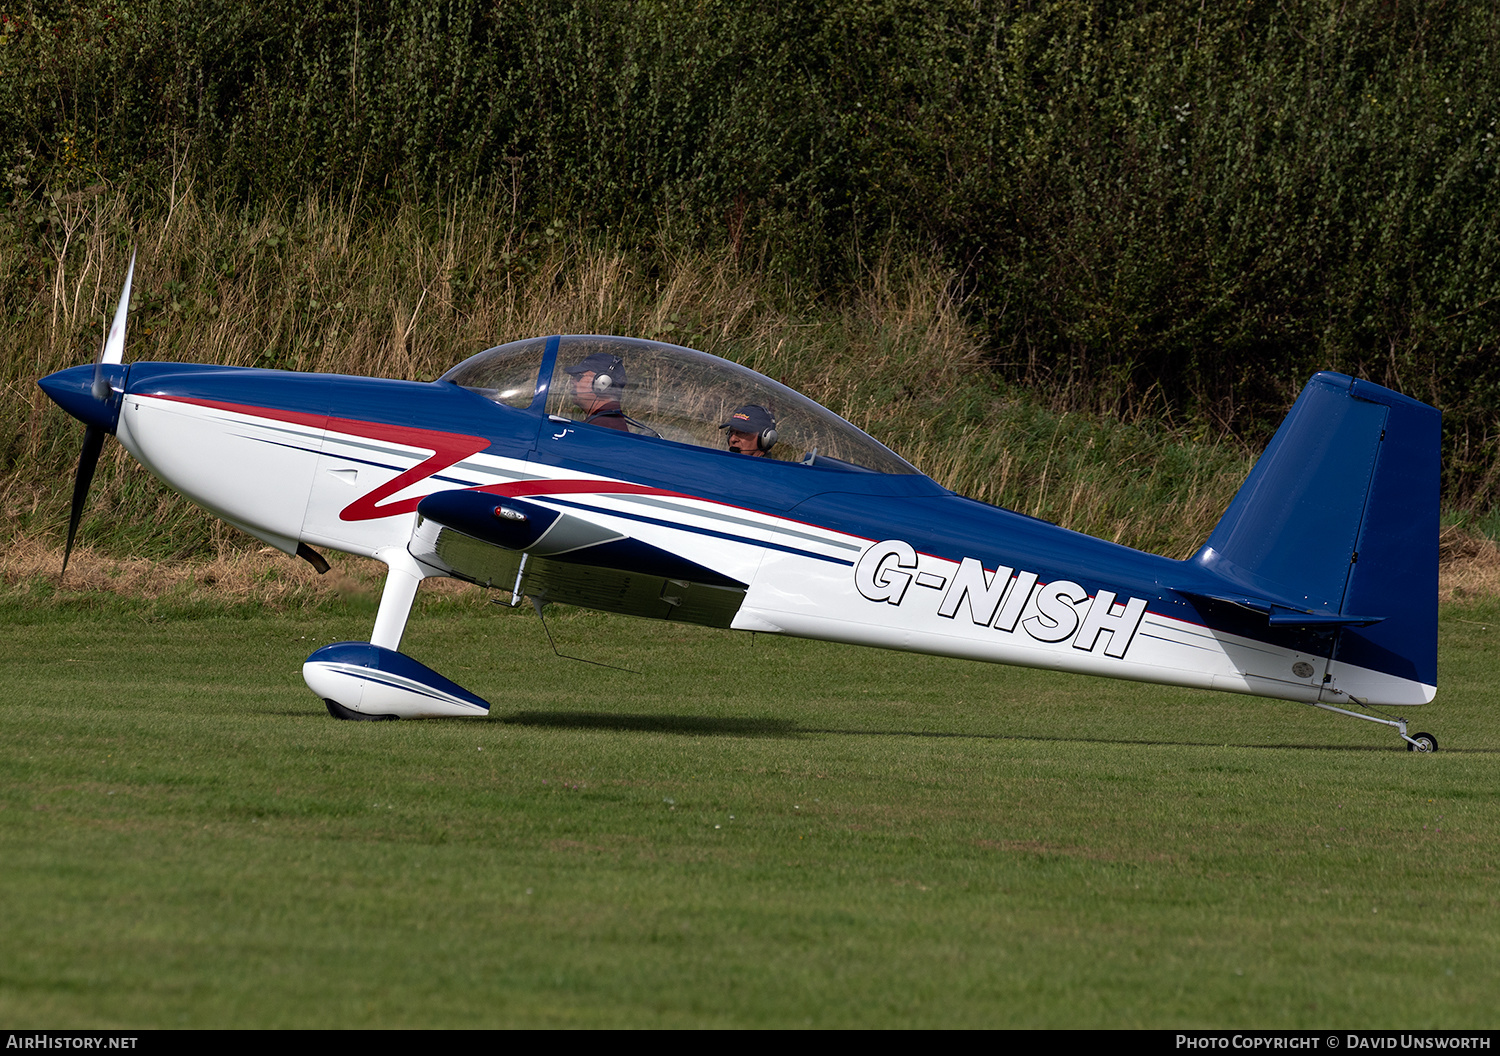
(609, 372)
(604, 380)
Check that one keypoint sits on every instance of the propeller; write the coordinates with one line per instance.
(99, 419)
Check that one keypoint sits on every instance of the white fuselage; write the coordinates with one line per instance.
(328, 482)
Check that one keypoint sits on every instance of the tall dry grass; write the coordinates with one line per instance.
(317, 286)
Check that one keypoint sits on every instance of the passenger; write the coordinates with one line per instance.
(598, 382)
(752, 430)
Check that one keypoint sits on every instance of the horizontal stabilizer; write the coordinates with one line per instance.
(1279, 615)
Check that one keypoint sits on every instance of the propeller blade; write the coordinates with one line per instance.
(114, 343)
(114, 347)
(93, 443)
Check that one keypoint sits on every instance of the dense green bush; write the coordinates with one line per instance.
(1180, 204)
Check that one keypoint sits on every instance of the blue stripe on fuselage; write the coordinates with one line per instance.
(679, 526)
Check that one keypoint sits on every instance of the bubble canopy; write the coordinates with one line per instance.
(671, 393)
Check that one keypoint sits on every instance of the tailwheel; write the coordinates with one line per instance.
(1422, 742)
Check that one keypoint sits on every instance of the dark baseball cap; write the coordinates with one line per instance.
(751, 418)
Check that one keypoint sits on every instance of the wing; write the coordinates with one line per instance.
(562, 557)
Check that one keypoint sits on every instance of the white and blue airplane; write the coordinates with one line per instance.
(637, 477)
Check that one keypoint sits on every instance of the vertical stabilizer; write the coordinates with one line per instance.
(1339, 518)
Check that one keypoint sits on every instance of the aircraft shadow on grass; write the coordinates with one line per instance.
(693, 725)
(732, 726)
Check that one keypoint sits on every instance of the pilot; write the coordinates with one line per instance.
(598, 382)
(752, 430)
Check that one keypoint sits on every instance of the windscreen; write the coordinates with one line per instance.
(506, 374)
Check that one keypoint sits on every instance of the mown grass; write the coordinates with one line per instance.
(748, 832)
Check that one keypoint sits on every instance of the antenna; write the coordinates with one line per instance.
(536, 603)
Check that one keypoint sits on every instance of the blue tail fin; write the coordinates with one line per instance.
(1337, 526)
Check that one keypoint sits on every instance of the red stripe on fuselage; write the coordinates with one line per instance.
(446, 448)
(315, 421)
(520, 488)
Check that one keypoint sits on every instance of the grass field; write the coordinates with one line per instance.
(747, 832)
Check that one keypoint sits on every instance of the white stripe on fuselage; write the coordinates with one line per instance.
(288, 482)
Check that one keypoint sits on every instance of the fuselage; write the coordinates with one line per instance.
(822, 550)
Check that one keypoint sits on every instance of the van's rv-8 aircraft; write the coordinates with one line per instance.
(593, 471)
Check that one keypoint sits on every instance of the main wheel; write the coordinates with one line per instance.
(338, 711)
(1422, 742)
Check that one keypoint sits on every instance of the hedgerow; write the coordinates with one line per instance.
(1177, 205)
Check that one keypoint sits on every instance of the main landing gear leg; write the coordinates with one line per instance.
(371, 680)
(1420, 742)
(401, 583)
